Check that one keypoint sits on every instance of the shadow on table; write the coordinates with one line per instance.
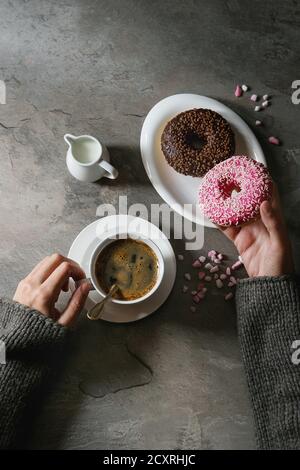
(128, 161)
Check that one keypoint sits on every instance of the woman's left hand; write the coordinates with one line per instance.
(41, 288)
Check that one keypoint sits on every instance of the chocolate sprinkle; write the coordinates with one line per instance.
(196, 140)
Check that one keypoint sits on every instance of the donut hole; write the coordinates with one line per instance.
(195, 141)
(229, 188)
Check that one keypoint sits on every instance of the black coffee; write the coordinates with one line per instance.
(130, 264)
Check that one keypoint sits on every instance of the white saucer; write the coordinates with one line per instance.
(177, 189)
(88, 239)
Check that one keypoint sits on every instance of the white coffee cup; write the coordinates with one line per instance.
(87, 159)
(105, 243)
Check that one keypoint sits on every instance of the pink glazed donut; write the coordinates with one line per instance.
(232, 192)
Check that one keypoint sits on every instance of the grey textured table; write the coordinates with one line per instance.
(173, 380)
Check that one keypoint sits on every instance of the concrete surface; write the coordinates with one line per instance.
(174, 380)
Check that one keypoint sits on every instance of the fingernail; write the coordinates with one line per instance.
(85, 282)
(267, 207)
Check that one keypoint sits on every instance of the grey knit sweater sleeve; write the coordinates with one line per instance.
(268, 323)
(30, 340)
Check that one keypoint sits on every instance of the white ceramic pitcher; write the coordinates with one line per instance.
(87, 159)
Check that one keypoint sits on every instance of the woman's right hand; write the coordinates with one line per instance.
(264, 243)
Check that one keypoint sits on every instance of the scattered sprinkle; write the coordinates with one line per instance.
(215, 269)
(236, 265)
(245, 88)
(211, 253)
(212, 272)
(238, 91)
(273, 140)
(228, 296)
(196, 264)
(258, 123)
(265, 104)
(208, 266)
(257, 108)
(265, 97)
(254, 98)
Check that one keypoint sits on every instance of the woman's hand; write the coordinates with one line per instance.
(264, 244)
(41, 288)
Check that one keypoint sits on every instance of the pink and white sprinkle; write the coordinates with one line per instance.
(238, 91)
(236, 265)
(196, 263)
(274, 140)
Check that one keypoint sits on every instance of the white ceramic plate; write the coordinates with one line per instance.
(177, 189)
(87, 240)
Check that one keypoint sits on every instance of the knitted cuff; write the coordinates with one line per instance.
(269, 322)
(267, 299)
(23, 328)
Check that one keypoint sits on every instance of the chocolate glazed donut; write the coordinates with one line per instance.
(196, 140)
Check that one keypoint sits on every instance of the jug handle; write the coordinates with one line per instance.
(111, 172)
